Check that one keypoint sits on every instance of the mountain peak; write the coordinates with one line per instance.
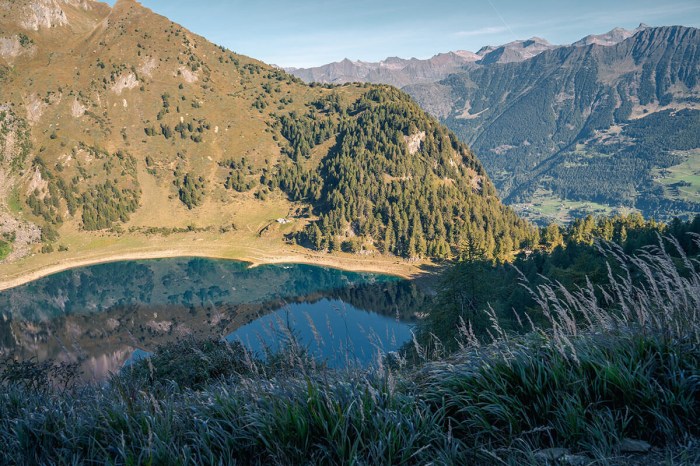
(466, 54)
(516, 51)
(125, 4)
(612, 37)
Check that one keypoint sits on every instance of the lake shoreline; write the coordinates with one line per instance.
(383, 265)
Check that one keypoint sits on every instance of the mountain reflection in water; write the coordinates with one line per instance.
(100, 315)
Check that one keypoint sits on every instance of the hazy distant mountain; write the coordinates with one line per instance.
(395, 71)
(515, 51)
(613, 37)
(612, 125)
(402, 72)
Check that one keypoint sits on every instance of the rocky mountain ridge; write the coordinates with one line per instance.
(401, 72)
(396, 71)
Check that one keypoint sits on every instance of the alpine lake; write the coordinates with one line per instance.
(106, 316)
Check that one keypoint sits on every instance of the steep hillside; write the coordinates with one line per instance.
(126, 133)
(613, 126)
(605, 124)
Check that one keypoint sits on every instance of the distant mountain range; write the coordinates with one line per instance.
(609, 122)
(395, 71)
(402, 72)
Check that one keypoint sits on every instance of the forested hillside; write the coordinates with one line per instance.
(608, 123)
(122, 128)
(397, 181)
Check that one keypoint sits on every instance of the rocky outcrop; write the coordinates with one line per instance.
(35, 109)
(43, 14)
(15, 46)
(77, 109)
(414, 142)
(187, 74)
(125, 81)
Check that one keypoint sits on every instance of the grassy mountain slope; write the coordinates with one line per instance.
(608, 125)
(125, 133)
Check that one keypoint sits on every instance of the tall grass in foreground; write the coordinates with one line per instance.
(621, 361)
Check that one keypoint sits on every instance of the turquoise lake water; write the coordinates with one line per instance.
(103, 314)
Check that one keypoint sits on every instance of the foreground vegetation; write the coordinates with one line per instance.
(626, 365)
(568, 256)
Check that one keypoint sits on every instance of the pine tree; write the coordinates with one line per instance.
(317, 237)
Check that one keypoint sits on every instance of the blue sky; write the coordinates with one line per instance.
(313, 32)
